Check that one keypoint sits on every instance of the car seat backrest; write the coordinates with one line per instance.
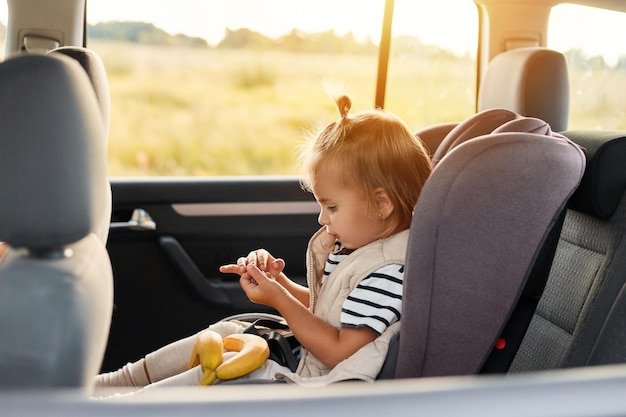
(478, 227)
(578, 319)
(96, 72)
(56, 288)
(502, 121)
(532, 82)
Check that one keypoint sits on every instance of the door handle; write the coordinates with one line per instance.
(139, 220)
(209, 290)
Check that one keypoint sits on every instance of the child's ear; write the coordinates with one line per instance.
(384, 204)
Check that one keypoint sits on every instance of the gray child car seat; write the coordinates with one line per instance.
(479, 226)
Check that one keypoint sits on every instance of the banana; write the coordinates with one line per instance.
(252, 350)
(207, 351)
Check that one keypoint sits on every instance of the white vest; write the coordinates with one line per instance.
(326, 302)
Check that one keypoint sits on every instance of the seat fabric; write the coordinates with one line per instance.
(56, 287)
(96, 72)
(94, 67)
(579, 318)
(533, 82)
(478, 228)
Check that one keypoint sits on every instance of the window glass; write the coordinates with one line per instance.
(227, 87)
(432, 69)
(593, 41)
(203, 87)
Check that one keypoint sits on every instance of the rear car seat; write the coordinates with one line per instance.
(580, 319)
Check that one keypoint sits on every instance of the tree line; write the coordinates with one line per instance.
(300, 41)
(296, 40)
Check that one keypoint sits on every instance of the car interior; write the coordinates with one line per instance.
(515, 296)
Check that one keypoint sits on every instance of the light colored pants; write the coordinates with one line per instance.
(167, 366)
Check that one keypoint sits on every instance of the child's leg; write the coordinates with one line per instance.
(189, 377)
(170, 360)
(192, 377)
(164, 363)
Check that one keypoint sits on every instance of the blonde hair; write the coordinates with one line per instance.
(368, 150)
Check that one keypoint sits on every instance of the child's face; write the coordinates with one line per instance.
(346, 213)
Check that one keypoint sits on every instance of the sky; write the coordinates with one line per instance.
(433, 24)
(209, 19)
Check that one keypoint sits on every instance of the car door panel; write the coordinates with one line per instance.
(167, 282)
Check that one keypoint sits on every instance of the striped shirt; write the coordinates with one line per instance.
(376, 302)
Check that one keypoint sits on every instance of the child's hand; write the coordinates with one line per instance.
(260, 258)
(261, 287)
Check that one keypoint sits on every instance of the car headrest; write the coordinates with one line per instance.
(52, 156)
(527, 125)
(479, 124)
(94, 67)
(530, 81)
(603, 184)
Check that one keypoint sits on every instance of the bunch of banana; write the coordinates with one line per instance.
(252, 352)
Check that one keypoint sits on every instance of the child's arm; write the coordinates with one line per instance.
(325, 342)
(266, 262)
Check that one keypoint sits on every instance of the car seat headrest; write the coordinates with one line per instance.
(53, 156)
(476, 125)
(603, 184)
(525, 124)
(94, 67)
(530, 81)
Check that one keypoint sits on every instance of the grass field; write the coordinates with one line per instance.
(179, 111)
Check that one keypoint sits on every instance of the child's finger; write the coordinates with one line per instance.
(258, 275)
(277, 267)
(261, 257)
(232, 269)
(257, 257)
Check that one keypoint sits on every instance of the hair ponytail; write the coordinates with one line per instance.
(344, 104)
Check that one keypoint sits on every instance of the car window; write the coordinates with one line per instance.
(230, 87)
(593, 41)
(432, 69)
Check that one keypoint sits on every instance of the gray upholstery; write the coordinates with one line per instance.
(532, 82)
(609, 348)
(579, 318)
(603, 185)
(56, 288)
(94, 67)
(482, 123)
(432, 136)
(478, 227)
(487, 122)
